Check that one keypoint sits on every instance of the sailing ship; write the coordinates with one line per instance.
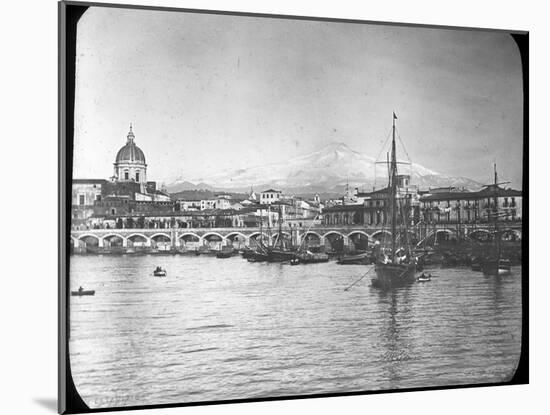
(259, 253)
(280, 251)
(399, 267)
(494, 263)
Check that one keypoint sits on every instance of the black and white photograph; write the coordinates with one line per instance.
(273, 207)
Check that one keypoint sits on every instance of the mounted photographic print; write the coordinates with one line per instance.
(272, 207)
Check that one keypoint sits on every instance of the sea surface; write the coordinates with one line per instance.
(219, 329)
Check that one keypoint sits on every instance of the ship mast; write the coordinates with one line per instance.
(495, 217)
(393, 190)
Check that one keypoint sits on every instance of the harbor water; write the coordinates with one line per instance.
(219, 329)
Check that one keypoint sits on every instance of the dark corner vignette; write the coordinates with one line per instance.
(69, 400)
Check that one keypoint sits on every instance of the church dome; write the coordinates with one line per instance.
(130, 152)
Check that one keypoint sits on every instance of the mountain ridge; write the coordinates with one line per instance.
(324, 170)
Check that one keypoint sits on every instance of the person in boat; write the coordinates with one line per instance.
(80, 289)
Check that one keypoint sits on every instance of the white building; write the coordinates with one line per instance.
(189, 205)
(208, 204)
(267, 197)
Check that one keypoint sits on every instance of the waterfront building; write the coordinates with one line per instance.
(127, 191)
(436, 206)
(85, 192)
(350, 214)
(454, 206)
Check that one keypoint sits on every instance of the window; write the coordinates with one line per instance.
(137, 176)
(81, 200)
(113, 211)
(98, 198)
(126, 175)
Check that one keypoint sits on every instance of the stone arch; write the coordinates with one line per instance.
(161, 241)
(312, 239)
(285, 233)
(381, 232)
(480, 235)
(511, 235)
(229, 235)
(138, 235)
(188, 241)
(90, 242)
(163, 234)
(335, 241)
(207, 234)
(359, 240)
(133, 240)
(194, 235)
(88, 235)
(237, 239)
(313, 233)
(114, 240)
(254, 237)
(383, 236)
(441, 237)
(212, 243)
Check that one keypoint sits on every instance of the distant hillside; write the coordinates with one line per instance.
(326, 170)
(205, 194)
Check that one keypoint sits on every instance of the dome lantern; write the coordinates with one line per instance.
(130, 135)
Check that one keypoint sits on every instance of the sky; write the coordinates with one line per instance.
(206, 93)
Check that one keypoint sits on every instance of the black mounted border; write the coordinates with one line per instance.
(69, 400)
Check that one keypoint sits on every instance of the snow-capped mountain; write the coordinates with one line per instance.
(329, 168)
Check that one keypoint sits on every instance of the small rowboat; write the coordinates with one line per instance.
(159, 273)
(82, 292)
(424, 278)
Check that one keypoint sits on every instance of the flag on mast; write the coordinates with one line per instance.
(394, 116)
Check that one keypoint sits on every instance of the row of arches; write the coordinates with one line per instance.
(162, 240)
(332, 240)
(451, 236)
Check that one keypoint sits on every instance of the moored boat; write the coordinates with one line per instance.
(392, 275)
(494, 263)
(399, 267)
(496, 267)
(309, 257)
(357, 259)
(81, 291)
(226, 252)
(280, 255)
